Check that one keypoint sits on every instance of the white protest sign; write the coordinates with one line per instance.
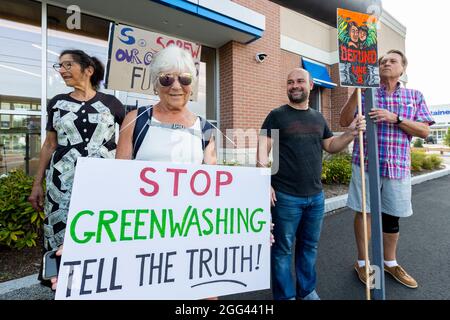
(130, 53)
(153, 230)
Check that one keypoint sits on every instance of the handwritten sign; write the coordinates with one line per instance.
(130, 53)
(358, 53)
(149, 230)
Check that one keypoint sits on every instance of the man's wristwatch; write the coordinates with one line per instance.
(399, 119)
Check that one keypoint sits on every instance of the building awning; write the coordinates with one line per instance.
(212, 23)
(319, 73)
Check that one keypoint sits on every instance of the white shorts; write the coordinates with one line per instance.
(395, 194)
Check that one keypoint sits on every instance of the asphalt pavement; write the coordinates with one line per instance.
(424, 251)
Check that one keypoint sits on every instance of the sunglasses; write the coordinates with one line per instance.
(65, 64)
(167, 79)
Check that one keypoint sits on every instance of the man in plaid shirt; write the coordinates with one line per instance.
(401, 114)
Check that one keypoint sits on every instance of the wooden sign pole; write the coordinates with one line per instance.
(363, 190)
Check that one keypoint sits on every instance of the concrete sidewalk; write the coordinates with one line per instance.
(424, 251)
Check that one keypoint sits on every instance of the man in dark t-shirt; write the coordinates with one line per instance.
(298, 134)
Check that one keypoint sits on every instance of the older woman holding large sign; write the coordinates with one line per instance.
(168, 131)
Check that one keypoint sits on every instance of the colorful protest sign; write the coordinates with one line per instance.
(149, 230)
(358, 52)
(130, 52)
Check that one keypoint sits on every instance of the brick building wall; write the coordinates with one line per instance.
(327, 110)
(248, 89)
(226, 85)
(289, 61)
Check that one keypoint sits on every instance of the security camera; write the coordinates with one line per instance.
(260, 57)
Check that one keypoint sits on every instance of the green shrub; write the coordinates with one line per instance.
(427, 164)
(420, 160)
(417, 158)
(418, 143)
(20, 224)
(447, 138)
(436, 160)
(337, 169)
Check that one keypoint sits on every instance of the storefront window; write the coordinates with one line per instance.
(92, 38)
(20, 54)
(314, 98)
(20, 84)
(21, 74)
(205, 106)
(20, 142)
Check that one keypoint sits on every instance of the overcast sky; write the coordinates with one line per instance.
(427, 45)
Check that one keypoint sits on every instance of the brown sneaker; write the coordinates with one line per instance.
(361, 271)
(401, 276)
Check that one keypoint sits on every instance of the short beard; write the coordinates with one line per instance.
(303, 97)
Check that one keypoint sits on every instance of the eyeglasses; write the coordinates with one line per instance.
(167, 79)
(65, 64)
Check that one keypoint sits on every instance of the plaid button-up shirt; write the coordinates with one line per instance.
(394, 144)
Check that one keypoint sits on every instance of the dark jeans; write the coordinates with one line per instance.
(297, 218)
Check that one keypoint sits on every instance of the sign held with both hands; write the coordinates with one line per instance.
(149, 230)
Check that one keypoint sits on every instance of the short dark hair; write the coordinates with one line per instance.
(351, 24)
(364, 28)
(86, 61)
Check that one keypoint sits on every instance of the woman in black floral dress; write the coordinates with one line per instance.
(80, 124)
